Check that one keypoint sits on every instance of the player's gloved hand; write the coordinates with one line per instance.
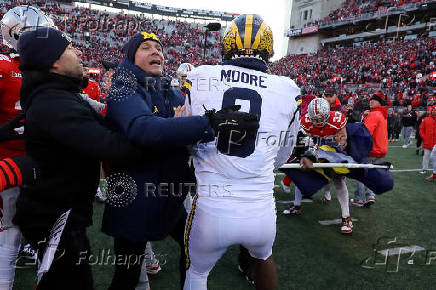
(8, 131)
(306, 163)
(232, 126)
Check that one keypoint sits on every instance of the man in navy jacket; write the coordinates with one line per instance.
(143, 106)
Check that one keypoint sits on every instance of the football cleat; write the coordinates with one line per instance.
(247, 274)
(431, 178)
(346, 225)
(357, 203)
(248, 36)
(370, 200)
(293, 210)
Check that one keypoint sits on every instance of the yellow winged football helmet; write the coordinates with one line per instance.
(248, 36)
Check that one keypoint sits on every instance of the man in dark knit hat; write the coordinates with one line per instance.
(67, 139)
(143, 106)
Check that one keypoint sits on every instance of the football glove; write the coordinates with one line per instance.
(232, 126)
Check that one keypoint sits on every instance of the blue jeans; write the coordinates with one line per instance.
(362, 192)
(407, 131)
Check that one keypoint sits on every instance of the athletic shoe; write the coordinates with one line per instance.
(417, 151)
(369, 201)
(293, 210)
(286, 188)
(346, 225)
(357, 203)
(423, 172)
(27, 257)
(405, 146)
(247, 273)
(431, 178)
(152, 266)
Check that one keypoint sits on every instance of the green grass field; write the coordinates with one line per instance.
(311, 256)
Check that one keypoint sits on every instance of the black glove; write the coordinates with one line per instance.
(7, 131)
(310, 154)
(232, 127)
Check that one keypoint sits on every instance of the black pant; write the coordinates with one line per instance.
(391, 133)
(418, 139)
(126, 276)
(70, 268)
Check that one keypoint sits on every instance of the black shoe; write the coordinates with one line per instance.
(417, 151)
(245, 265)
(246, 275)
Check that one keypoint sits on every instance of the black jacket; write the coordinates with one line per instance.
(409, 118)
(67, 139)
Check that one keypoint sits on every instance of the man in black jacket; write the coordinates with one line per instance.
(408, 120)
(67, 139)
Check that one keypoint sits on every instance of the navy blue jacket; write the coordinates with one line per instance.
(144, 114)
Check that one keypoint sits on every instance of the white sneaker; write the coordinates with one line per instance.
(405, 146)
(347, 225)
(286, 188)
(423, 171)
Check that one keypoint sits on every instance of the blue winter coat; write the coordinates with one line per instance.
(144, 114)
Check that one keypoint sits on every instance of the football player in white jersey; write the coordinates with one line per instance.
(234, 203)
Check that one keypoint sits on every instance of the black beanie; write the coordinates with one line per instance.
(41, 47)
(132, 46)
(379, 98)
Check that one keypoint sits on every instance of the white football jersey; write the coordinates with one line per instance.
(244, 172)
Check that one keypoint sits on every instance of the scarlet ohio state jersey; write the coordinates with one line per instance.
(336, 123)
(10, 83)
(93, 90)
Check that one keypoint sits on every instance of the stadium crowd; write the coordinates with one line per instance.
(352, 9)
(401, 70)
(396, 74)
(101, 35)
